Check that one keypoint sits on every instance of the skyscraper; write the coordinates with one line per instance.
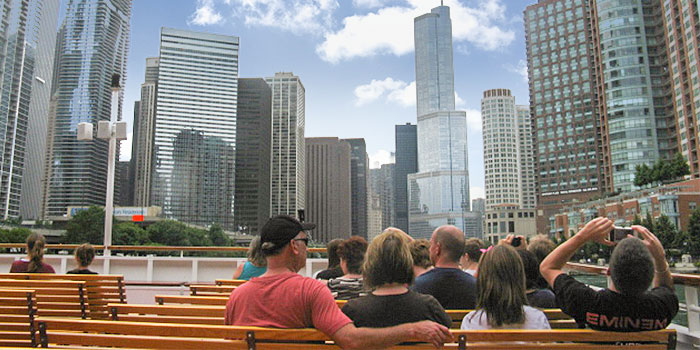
(406, 144)
(92, 46)
(253, 138)
(526, 158)
(27, 43)
(328, 187)
(287, 194)
(142, 155)
(195, 127)
(439, 192)
(382, 184)
(359, 174)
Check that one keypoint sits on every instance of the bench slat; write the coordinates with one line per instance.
(189, 299)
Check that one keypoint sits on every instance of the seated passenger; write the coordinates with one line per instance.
(420, 251)
(256, 264)
(452, 287)
(541, 246)
(352, 255)
(501, 301)
(388, 270)
(627, 305)
(537, 297)
(472, 254)
(34, 262)
(84, 255)
(282, 298)
(333, 270)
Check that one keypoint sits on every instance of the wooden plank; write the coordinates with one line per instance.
(142, 342)
(172, 319)
(580, 335)
(188, 299)
(179, 310)
(229, 282)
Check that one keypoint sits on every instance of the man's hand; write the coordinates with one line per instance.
(653, 244)
(431, 332)
(510, 238)
(597, 230)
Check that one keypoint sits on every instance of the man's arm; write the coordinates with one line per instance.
(662, 276)
(596, 230)
(351, 337)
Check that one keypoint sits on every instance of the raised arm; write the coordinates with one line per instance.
(351, 337)
(595, 230)
(662, 276)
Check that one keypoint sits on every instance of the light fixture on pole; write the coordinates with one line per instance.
(113, 131)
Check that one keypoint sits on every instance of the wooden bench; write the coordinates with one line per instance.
(54, 297)
(101, 289)
(123, 334)
(225, 282)
(557, 318)
(188, 299)
(210, 290)
(199, 314)
(17, 311)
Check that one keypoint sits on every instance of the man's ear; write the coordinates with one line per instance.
(293, 247)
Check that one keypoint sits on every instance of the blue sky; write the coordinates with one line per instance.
(354, 57)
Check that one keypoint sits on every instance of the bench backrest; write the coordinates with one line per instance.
(188, 299)
(76, 332)
(54, 297)
(225, 282)
(100, 289)
(199, 314)
(557, 318)
(17, 312)
(210, 290)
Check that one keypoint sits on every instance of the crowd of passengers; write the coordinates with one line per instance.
(398, 288)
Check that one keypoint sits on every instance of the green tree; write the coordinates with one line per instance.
(662, 171)
(128, 233)
(666, 231)
(198, 238)
(218, 237)
(694, 233)
(15, 235)
(679, 166)
(169, 232)
(87, 226)
(642, 175)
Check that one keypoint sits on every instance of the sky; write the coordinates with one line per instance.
(354, 57)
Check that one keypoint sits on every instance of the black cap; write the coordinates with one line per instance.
(281, 229)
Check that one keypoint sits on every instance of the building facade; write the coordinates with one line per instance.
(142, 149)
(253, 138)
(406, 143)
(76, 172)
(195, 127)
(382, 184)
(439, 192)
(287, 192)
(359, 175)
(328, 189)
(509, 221)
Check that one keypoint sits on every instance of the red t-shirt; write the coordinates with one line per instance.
(287, 300)
(20, 266)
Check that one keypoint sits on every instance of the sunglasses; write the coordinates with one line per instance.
(305, 240)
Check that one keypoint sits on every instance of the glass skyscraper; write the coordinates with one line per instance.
(439, 192)
(92, 46)
(195, 127)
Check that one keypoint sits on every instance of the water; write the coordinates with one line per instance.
(602, 282)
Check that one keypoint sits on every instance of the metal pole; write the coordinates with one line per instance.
(109, 201)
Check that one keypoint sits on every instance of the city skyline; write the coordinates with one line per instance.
(345, 91)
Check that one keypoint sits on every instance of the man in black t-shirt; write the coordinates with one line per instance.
(452, 287)
(627, 305)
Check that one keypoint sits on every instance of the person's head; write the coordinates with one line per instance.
(283, 237)
(500, 286)
(472, 250)
(255, 254)
(352, 254)
(532, 268)
(35, 251)
(631, 267)
(420, 251)
(388, 259)
(446, 245)
(332, 250)
(541, 246)
(84, 254)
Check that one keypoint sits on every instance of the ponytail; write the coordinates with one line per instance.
(35, 251)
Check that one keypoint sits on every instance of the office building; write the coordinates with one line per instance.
(406, 144)
(195, 127)
(382, 184)
(479, 205)
(526, 158)
(287, 187)
(142, 150)
(122, 192)
(359, 173)
(439, 192)
(92, 45)
(253, 134)
(328, 188)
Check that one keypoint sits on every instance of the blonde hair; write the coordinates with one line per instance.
(35, 251)
(388, 259)
(255, 254)
(500, 286)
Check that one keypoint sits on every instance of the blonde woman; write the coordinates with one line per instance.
(34, 262)
(256, 264)
(388, 271)
(501, 301)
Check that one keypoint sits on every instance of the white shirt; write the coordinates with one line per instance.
(534, 319)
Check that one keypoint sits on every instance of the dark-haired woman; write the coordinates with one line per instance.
(352, 255)
(34, 262)
(84, 255)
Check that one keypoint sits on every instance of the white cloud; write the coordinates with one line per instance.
(396, 91)
(205, 14)
(368, 3)
(476, 192)
(473, 120)
(405, 97)
(389, 30)
(296, 16)
(125, 148)
(459, 102)
(380, 157)
(520, 69)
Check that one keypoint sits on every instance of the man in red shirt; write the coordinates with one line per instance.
(282, 298)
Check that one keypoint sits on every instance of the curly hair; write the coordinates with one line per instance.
(631, 267)
(420, 251)
(352, 251)
(388, 259)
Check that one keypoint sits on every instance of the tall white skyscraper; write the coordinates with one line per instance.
(439, 192)
(195, 127)
(288, 179)
(142, 144)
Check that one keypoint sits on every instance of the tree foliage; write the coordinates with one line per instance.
(128, 233)
(662, 171)
(87, 226)
(694, 233)
(14, 235)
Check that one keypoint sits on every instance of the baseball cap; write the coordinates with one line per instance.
(281, 229)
